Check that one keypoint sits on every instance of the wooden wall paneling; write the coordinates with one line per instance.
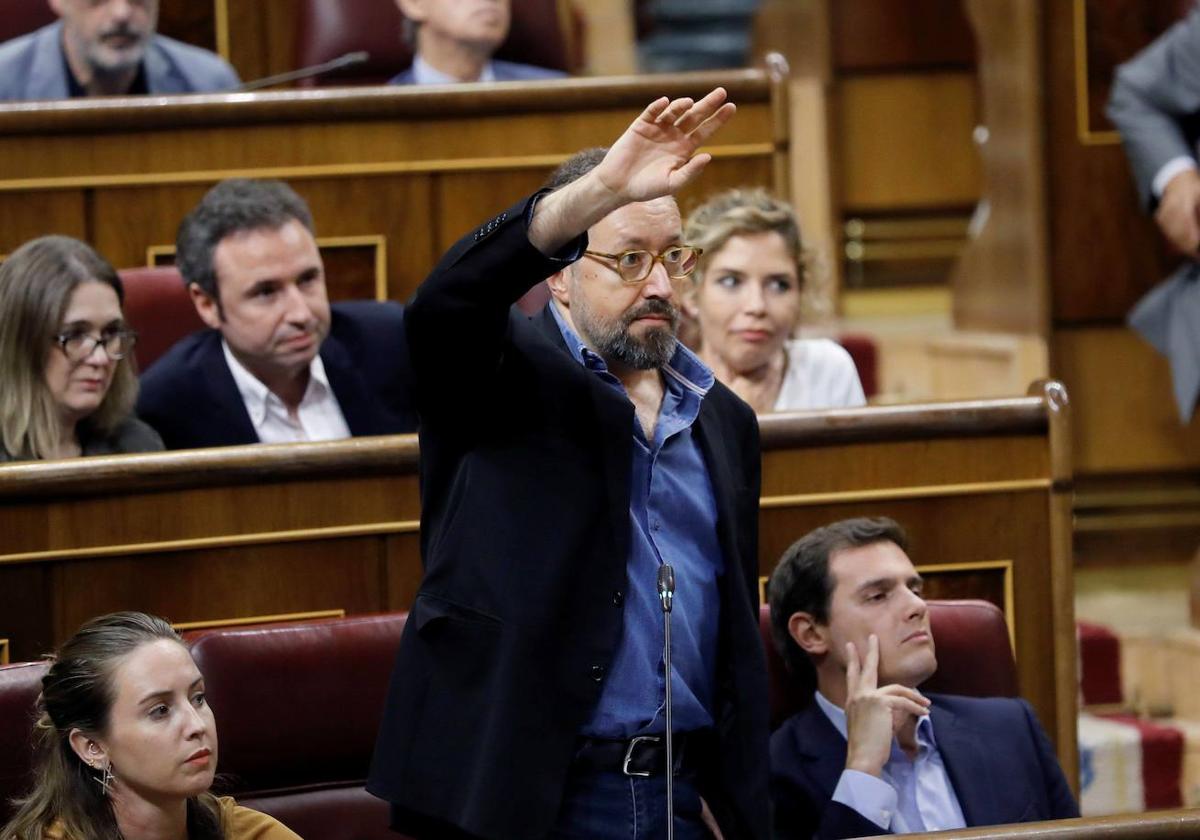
(26, 215)
(262, 38)
(1125, 418)
(225, 583)
(149, 217)
(25, 618)
(1104, 252)
(881, 35)
(402, 570)
(1001, 281)
(463, 201)
(905, 141)
(190, 21)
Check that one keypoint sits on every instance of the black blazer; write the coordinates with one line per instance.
(997, 757)
(190, 398)
(525, 477)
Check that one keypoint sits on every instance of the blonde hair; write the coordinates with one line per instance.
(745, 211)
(36, 284)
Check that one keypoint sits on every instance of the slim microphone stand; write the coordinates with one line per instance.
(666, 595)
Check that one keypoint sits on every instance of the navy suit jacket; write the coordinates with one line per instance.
(998, 758)
(189, 395)
(33, 67)
(506, 71)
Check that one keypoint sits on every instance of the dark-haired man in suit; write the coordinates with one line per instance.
(872, 754)
(279, 363)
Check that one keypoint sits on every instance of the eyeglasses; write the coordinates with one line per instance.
(635, 266)
(78, 345)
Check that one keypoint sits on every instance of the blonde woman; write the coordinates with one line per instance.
(746, 301)
(67, 383)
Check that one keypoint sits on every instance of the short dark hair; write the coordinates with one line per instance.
(801, 580)
(233, 206)
(575, 167)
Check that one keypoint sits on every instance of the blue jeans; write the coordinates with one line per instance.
(613, 806)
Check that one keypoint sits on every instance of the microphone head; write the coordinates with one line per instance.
(666, 579)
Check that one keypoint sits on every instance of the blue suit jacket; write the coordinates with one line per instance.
(506, 71)
(33, 67)
(998, 758)
(190, 398)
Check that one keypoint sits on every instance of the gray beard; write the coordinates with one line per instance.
(614, 342)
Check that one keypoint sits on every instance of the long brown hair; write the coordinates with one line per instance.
(78, 693)
(36, 283)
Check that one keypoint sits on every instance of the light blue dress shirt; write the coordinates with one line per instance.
(425, 74)
(912, 796)
(673, 519)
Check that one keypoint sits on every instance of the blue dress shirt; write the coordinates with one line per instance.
(913, 795)
(673, 519)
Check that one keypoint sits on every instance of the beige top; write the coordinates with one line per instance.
(240, 824)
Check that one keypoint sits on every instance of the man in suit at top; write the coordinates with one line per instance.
(564, 458)
(106, 48)
(454, 41)
(279, 363)
(872, 754)
(1155, 104)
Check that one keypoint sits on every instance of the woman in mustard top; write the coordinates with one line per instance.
(125, 747)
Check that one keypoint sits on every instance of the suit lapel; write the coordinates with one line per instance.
(822, 747)
(225, 399)
(48, 72)
(969, 768)
(614, 415)
(352, 395)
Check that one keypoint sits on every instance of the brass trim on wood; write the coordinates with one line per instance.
(258, 619)
(1010, 606)
(221, 27)
(227, 541)
(1083, 127)
(398, 167)
(1100, 523)
(913, 492)
(376, 240)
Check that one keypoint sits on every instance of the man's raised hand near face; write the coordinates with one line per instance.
(656, 156)
(875, 715)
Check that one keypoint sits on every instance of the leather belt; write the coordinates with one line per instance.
(644, 755)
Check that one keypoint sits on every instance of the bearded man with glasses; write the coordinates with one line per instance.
(565, 459)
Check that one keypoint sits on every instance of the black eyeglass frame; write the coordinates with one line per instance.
(102, 340)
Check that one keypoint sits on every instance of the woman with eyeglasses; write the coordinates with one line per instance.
(125, 745)
(67, 382)
(746, 299)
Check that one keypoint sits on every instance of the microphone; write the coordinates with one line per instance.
(348, 60)
(666, 586)
(666, 596)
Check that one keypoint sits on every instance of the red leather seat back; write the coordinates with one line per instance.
(865, 353)
(20, 17)
(160, 310)
(298, 704)
(543, 32)
(974, 656)
(340, 813)
(20, 685)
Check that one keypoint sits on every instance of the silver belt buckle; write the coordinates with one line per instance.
(633, 742)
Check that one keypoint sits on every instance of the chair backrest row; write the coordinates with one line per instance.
(298, 705)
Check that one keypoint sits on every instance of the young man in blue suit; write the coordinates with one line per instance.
(872, 754)
(454, 41)
(106, 48)
(279, 364)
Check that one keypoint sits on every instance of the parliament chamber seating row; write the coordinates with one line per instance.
(298, 704)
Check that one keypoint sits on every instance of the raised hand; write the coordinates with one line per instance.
(874, 715)
(656, 155)
(1178, 214)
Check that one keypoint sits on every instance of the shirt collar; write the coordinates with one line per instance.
(258, 397)
(424, 73)
(685, 367)
(837, 717)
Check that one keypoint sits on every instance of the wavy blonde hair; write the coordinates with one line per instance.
(745, 211)
(36, 284)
